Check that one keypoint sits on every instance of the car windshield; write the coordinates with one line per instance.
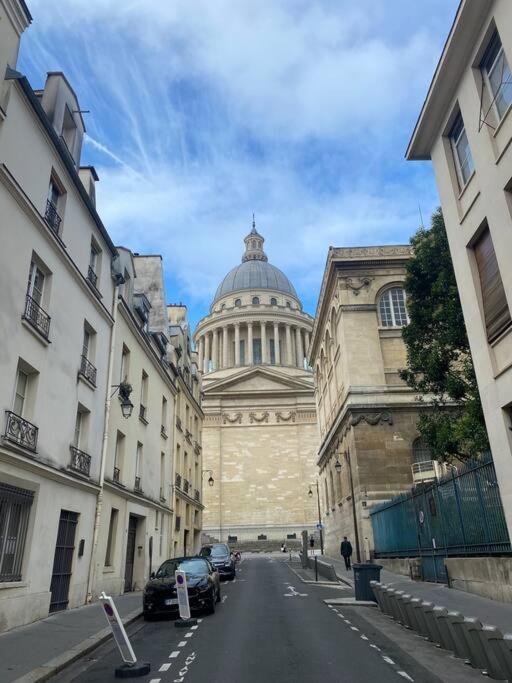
(193, 566)
(215, 551)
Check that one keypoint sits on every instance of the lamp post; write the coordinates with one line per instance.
(211, 480)
(124, 390)
(346, 454)
(310, 494)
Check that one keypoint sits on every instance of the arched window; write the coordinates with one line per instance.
(254, 244)
(223, 307)
(255, 300)
(273, 301)
(288, 304)
(421, 451)
(392, 309)
(238, 302)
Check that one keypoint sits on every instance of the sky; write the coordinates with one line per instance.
(205, 111)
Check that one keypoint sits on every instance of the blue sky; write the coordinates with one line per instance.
(203, 111)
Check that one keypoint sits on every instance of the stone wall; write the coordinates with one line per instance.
(490, 577)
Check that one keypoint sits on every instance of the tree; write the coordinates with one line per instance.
(439, 360)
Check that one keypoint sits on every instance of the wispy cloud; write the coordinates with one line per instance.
(205, 111)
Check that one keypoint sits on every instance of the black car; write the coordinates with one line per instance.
(203, 586)
(221, 557)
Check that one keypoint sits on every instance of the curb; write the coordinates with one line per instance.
(52, 667)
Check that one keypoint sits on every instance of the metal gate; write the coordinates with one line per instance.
(63, 560)
(130, 553)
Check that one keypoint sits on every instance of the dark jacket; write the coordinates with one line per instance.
(346, 548)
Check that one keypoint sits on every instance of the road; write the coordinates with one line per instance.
(269, 627)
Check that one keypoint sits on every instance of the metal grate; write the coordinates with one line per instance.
(196, 495)
(15, 504)
(186, 485)
(63, 560)
(20, 431)
(80, 461)
(35, 315)
(88, 370)
(52, 217)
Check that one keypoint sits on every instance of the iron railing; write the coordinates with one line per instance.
(91, 276)
(197, 448)
(88, 370)
(137, 486)
(178, 423)
(80, 461)
(20, 431)
(186, 485)
(38, 318)
(461, 514)
(188, 436)
(178, 481)
(116, 475)
(143, 413)
(196, 495)
(163, 432)
(52, 217)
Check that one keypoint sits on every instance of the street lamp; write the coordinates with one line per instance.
(310, 494)
(211, 480)
(346, 455)
(124, 390)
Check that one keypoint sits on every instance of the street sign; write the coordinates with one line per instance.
(114, 620)
(320, 526)
(181, 589)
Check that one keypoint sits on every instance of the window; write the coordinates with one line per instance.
(119, 457)
(461, 151)
(138, 467)
(421, 451)
(52, 204)
(15, 504)
(392, 309)
(288, 304)
(20, 392)
(255, 300)
(78, 429)
(86, 343)
(162, 476)
(35, 283)
(272, 352)
(125, 364)
(496, 310)
(273, 301)
(238, 303)
(69, 130)
(256, 352)
(93, 270)
(111, 541)
(143, 410)
(496, 71)
(164, 415)
(326, 491)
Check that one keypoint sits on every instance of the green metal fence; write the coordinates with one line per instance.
(459, 515)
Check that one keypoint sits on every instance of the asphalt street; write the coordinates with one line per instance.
(269, 627)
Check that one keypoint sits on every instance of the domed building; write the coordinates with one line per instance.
(260, 430)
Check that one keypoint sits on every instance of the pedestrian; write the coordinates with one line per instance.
(346, 551)
(283, 547)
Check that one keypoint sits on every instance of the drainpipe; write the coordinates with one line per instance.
(99, 501)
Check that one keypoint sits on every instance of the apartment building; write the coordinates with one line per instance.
(465, 128)
(188, 458)
(56, 317)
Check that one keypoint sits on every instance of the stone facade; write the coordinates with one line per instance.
(367, 416)
(468, 115)
(260, 429)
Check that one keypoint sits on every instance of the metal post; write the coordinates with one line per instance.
(316, 568)
(319, 520)
(356, 531)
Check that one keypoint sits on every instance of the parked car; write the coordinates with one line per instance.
(203, 585)
(221, 557)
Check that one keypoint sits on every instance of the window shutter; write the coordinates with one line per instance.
(496, 310)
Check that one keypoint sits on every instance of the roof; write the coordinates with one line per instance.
(255, 275)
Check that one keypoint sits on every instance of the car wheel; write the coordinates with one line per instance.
(218, 595)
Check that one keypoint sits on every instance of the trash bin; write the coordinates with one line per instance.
(363, 574)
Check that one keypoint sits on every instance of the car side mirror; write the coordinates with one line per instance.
(152, 575)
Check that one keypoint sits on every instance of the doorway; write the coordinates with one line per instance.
(130, 553)
(63, 561)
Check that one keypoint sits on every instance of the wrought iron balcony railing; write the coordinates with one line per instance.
(88, 370)
(38, 318)
(163, 432)
(186, 485)
(196, 495)
(80, 461)
(137, 486)
(178, 481)
(188, 436)
(91, 276)
(178, 423)
(117, 475)
(20, 431)
(197, 448)
(52, 217)
(143, 413)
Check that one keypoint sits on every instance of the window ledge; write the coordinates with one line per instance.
(82, 378)
(107, 569)
(468, 183)
(502, 121)
(143, 420)
(12, 584)
(38, 335)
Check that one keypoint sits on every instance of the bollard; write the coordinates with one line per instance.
(477, 656)
(454, 622)
(431, 623)
(386, 601)
(441, 616)
(490, 636)
(503, 650)
(401, 602)
(377, 591)
(393, 605)
(409, 612)
(316, 569)
(398, 607)
(420, 618)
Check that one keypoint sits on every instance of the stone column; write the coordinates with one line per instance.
(277, 354)
(237, 344)
(297, 346)
(215, 350)
(306, 334)
(225, 347)
(249, 344)
(300, 348)
(200, 344)
(264, 355)
(289, 356)
(207, 352)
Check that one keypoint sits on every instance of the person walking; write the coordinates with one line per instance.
(346, 551)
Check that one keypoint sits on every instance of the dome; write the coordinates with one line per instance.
(255, 275)
(255, 272)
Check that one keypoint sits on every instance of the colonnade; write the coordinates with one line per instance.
(222, 347)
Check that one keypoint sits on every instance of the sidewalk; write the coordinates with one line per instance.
(487, 611)
(36, 650)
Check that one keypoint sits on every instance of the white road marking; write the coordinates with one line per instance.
(174, 654)
(155, 680)
(193, 628)
(375, 647)
(224, 598)
(387, 659)
(189, 634)
(165, 667)
(364, 637)
(405, 675)
(182, 643)
(354, 628)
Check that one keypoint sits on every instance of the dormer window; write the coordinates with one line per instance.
(69, 129)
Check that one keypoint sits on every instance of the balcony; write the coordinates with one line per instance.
(197, 496)
(88, 370)
(143, 414)
(427, 470)
(80, 461)
(197, 448)
(178, 423)
(38, 318)
(188, 436)
(91, 276)
(116, 475)
(137, 485)
(163, 432)
(178, 481)
(186, 485)
(52, 217)
(21, 432)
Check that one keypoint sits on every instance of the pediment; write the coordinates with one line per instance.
(259, 380)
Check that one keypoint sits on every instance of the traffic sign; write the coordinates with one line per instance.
(125, 648)
(181, 590)
(320, 526)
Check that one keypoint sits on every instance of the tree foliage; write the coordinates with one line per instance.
(439, 360)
